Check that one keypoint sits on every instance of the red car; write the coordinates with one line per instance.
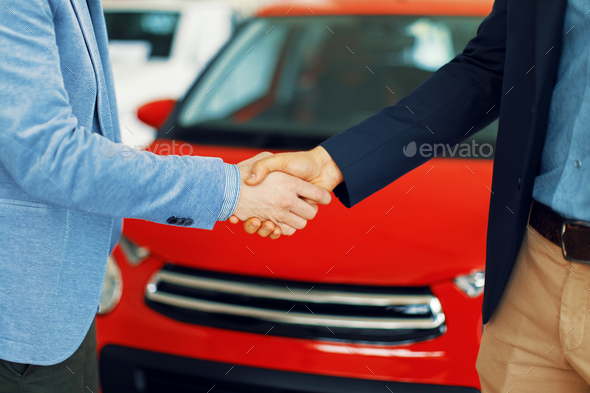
(385, 296)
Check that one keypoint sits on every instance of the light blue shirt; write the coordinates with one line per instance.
(563, 182)
(231, 195)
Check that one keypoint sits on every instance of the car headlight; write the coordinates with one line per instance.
(472, 284)
(134, 253)
(112, 287)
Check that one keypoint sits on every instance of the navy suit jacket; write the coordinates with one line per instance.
(508, 70)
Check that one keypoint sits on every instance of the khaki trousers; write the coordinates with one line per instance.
(538, 339)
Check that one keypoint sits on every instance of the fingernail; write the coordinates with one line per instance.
(252, 177)
(252, 226)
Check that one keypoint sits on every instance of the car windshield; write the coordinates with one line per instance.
(150, 32)
(288, 83)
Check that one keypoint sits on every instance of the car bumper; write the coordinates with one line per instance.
(125, 369)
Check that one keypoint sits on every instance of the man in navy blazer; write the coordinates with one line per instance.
(66, 181)
(529, 65)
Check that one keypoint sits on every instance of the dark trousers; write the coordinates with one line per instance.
(76, 374)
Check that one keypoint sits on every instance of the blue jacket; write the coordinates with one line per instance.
(65, 179)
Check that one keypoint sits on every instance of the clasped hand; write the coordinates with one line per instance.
(280, 193)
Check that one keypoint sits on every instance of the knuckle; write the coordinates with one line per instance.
(286, 203)
(301, 224)
(292, 184)
(313, 213)
(319, 194)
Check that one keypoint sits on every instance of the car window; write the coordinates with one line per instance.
(293, 82)
(154, 30)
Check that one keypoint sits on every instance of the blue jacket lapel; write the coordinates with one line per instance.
(100, 32)
(103, 105)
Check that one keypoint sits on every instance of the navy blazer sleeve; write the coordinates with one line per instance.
(464, 93)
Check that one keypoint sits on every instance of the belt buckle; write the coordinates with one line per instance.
(563, 250)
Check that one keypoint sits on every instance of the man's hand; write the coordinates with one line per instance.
(315, 166)
(254, 224)
(277, 199)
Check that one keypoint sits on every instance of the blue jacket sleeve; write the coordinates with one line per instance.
(55, 160)
(464, 93)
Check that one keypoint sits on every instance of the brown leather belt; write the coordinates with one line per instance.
(571, 235)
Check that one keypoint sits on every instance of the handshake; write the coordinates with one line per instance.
(281, 192)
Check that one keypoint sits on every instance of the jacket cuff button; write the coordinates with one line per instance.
(172, 220)
(188, 222)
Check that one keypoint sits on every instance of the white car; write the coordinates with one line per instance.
(157, 49)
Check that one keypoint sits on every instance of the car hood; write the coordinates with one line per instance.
(428, 226)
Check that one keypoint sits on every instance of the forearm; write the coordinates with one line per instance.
(370, 154)
(463, 96)
(56, 160)
(86, 172)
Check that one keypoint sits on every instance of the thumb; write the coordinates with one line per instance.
(265, 166)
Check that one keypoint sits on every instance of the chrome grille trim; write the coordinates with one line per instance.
(265, 291)
(296, 318)
(291, 294)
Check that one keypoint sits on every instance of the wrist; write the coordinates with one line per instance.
(244, 172)
(329, 167)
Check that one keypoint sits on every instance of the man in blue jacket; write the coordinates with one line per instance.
(66, 181)
(529, 65)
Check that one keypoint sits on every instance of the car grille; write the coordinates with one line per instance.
(296, 309)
